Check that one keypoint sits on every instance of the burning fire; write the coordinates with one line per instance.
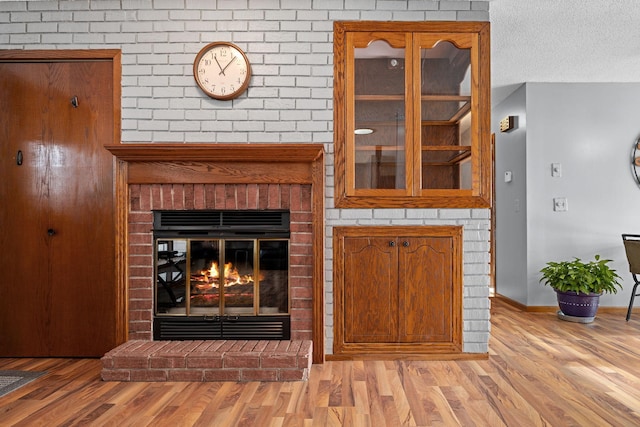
(211, 277)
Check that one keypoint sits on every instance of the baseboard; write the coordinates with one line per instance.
(523, 307)
(553, 309)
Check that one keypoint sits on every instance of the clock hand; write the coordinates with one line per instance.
(219, 66)
(225, 67)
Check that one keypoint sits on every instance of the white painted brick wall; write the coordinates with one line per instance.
(289, 44)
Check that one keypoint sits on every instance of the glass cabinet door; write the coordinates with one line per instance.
(412, 114)
(378, 112)
(444, 120)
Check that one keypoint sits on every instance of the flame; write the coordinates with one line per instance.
(231, 276)
(212, 272)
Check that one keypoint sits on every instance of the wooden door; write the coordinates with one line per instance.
(57, 222)
(371, 289)
(425, 289)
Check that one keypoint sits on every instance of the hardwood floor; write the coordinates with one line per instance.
(541, 372)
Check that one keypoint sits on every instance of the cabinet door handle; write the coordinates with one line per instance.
(405, 243)
(51, 232)
(392, 243)
(19, 158)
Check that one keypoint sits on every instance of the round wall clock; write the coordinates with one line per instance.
(222, 70)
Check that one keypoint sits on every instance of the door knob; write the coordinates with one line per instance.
(405, 244)
(392, 243)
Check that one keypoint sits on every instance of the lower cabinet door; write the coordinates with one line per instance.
(425, 289)
(370, 289)
(397, 289)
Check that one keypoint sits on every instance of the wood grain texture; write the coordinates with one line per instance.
(541, 372)
(58, 231)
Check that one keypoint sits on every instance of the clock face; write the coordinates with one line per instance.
(222, 70)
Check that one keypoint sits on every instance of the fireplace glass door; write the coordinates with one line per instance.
(222, 277)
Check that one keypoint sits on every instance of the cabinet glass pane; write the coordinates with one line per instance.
(445, 111)
(379, 114)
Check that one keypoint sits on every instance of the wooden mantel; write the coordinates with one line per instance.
(180, 163)
(221, 163)
(282, 153)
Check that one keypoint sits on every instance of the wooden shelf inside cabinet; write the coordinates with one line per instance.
(379, 148)
(380, 97)
(446, 148)
(400, 97)
(459, 98)
(380, 124)
(458, 154)
(460, 112)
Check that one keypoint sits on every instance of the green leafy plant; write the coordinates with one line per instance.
(581, 277)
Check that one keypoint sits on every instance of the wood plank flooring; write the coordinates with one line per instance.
(541, 372)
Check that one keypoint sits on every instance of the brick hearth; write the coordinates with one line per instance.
(220, 360)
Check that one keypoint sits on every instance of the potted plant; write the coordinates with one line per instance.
(579, 284)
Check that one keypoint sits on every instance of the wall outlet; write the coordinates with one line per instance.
(560, 204)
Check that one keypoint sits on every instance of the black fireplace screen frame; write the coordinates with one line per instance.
(261, 225)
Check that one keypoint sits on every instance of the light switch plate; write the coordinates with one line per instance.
(556, 170)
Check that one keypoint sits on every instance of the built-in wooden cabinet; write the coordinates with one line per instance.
(412, 114)
(397, 290)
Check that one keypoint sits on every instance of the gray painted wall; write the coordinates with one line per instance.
(589, 128)
(511, 198)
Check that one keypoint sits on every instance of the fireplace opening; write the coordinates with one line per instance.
(221, 274)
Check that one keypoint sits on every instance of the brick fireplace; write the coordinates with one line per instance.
(143, 198)
(222, 177)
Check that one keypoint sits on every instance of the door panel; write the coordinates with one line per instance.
(23, 217)
(371, 296)
(425, 305)
(57, 231)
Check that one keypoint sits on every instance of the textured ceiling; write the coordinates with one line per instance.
(563, 41)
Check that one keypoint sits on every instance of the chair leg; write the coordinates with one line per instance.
(633, 295)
